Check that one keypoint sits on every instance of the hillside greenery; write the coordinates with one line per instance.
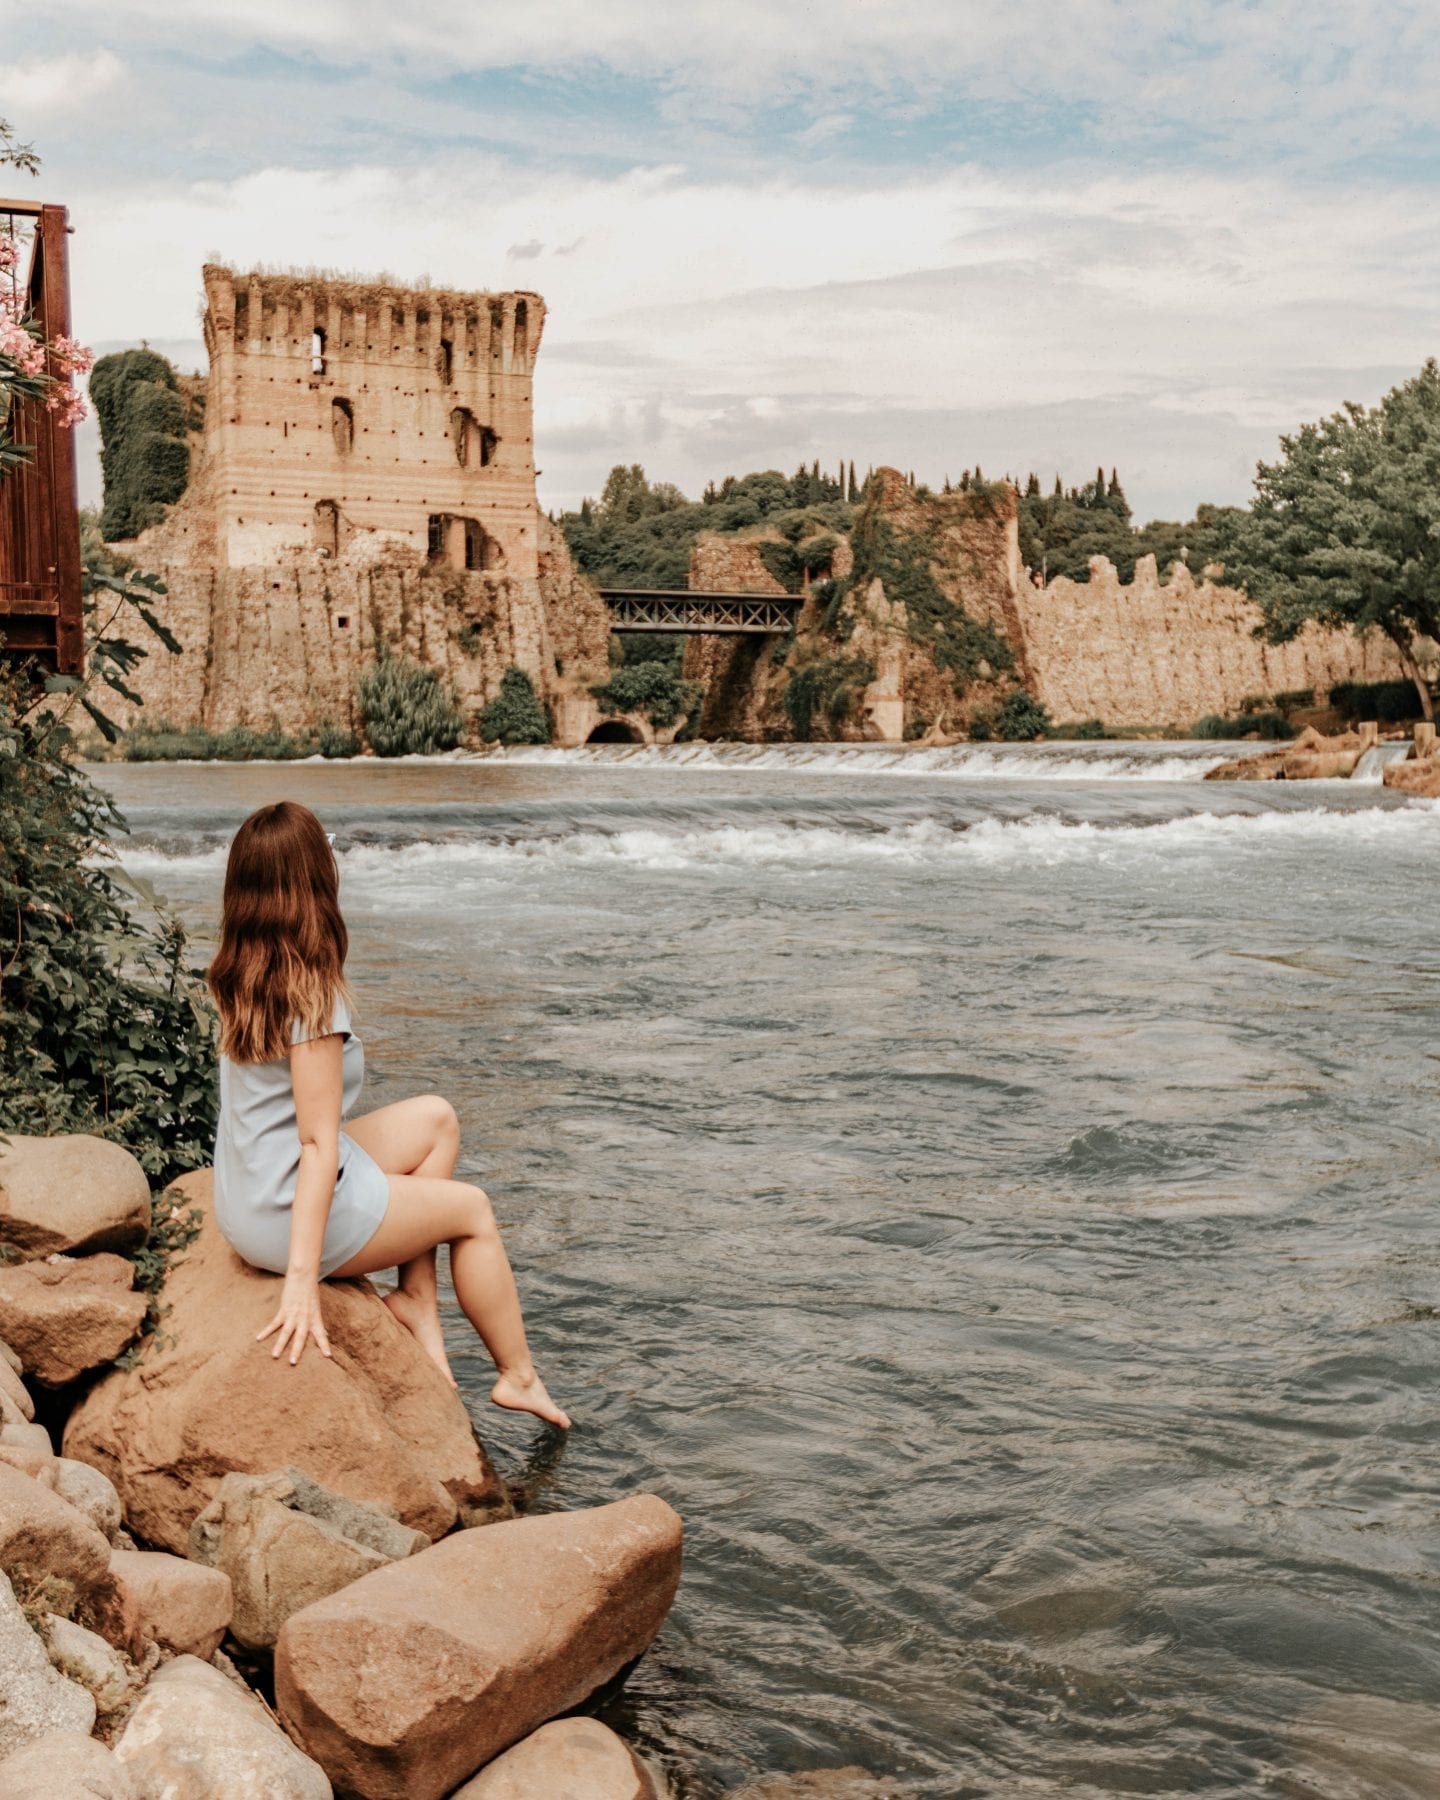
(145, 425)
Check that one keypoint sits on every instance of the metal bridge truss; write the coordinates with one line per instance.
(680, 609)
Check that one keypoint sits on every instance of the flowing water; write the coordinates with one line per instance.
(990, 1192)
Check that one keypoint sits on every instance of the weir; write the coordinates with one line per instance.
(1371, 766)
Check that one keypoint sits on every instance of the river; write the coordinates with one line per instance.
(988, 1192)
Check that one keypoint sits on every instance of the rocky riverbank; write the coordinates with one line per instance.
(200, 1513)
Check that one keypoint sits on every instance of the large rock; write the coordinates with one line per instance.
(71, 1193)
(1422, 778)
(286, 1542)
(377, 1423)
(45, 1535)
(89, 1492)
(405, 1683)
(152, 1597)
(15, 1401)
(64, 1765)
(69, 1315)
(84, 1657)
(34, 1698)
(569, 1759)
(199, 1735)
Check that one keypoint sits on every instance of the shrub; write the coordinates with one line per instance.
(104, 1026)
(1265, 725)
(515, 715)
(1084, 730)
(336, 740)
(144, 431)
(164, 742)
(1294, 698)
(1018, 719)
(650, 688)
(1389, 702)
(826, 688)
(405, 708)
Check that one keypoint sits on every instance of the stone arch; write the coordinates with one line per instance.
(342, 425)
(614, 731)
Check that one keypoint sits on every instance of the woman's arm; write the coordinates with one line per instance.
(317, 1077)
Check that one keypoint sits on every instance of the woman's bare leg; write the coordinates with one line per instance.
(425, 1211)
(415, 1137)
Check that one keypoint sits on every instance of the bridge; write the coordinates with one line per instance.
(683, 609)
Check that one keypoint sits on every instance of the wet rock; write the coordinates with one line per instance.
(406, 1683)
(84, 1657)
(34, 1698)
(286, 1542)
(43, 1534)
(71, 1314)
(89, 1492)
(152, 1596)
(197, 1735)
(71, 1193)
(569, 1759)
(377, 1423)
(1422, 778)
(64, 1765)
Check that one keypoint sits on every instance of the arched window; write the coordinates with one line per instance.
(463, 431)
(327, 527)
(445, 362)
(342, 425)
(317, 351)
(522, 330)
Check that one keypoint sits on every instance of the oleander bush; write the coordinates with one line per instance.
(515, 715)
(406, 709)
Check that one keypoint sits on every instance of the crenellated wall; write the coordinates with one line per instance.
(1159, 653)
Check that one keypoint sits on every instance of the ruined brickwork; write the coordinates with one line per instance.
(366, 476)
(1159, 653)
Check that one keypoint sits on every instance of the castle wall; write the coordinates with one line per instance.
(1166, 653)
(349, 419)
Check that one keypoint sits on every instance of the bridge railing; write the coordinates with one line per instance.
(685, 609)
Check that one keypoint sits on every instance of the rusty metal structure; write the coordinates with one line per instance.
(40, 607)
(714, 615)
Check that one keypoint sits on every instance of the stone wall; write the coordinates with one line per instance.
(287, 641)
(1166, 653)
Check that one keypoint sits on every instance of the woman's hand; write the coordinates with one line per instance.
(298, 1320)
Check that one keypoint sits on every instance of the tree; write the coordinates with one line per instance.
(1344, 528)
(144, 432)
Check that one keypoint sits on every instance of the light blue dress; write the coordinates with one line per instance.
(257, 1158)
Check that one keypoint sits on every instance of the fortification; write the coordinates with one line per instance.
(366, 478)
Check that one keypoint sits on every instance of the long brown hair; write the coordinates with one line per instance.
(282, 940)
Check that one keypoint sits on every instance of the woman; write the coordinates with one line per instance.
(293, 1192)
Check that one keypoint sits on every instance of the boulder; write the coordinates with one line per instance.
(89, 1492)
(569, 1759)
(11, 1357)
(43, 1534)
(64, 1765)
(16, 1434)
(196, 1734)
(406, 1683)
(286, 1542)
(377, 1423)
(15, 1401)
(1320, 765)
(70, 1314)
(87, 1658)
(1421, 777)
(154, 1597)
(34, 1698)
(71, 1193)
(31, 1460)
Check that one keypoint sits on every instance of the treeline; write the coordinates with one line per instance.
(639, 532)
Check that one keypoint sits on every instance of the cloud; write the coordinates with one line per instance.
(40, 87)
(1169, 323)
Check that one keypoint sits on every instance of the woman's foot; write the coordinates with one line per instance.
(528, 1396)
(422, 1321)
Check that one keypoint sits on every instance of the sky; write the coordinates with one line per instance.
(938, 234)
